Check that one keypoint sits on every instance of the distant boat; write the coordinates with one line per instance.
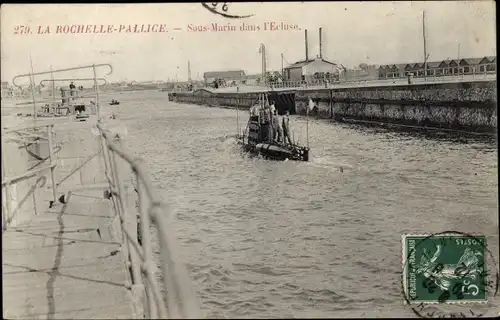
(255, 142)
(114, 102)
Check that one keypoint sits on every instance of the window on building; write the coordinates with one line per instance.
(319, 75)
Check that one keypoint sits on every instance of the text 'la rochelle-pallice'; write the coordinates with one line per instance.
(91, 28)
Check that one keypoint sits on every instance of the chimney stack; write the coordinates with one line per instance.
(307, 50)
(320, 45)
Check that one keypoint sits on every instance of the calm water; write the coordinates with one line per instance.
(268, 239)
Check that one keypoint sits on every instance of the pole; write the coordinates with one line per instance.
(320, 44)
(98, 107)
(282, 72)
(425, 46)
(307, 123)
(307, 47)
(263, 52)
(8, 200)
(32, 83)
(265, 66)
(51, 159)
(458, 52)
(237, 121)
(53, 84)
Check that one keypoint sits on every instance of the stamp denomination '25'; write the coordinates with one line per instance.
(444, 268)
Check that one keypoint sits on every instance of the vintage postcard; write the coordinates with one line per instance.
(249, 160)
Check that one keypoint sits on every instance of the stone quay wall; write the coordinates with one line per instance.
(470, 106)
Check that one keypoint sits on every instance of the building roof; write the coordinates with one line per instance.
(224, 74)
(401, 66)
(259, 75)
(301, 63)
(447, 62)
(435, 64)
(253, 76)
(470, 61)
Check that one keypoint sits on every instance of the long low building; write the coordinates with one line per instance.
(227, 76)
(439, 68)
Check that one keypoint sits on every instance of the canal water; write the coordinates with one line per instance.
(317, 239)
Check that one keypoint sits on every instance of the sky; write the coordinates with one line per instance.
(353, 33)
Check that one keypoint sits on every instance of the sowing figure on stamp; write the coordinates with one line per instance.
(467, 265)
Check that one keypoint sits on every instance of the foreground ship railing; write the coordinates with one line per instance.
(180, 296)
(179, 299)
(31, 136)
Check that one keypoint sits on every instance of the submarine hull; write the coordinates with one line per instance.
(275, 151)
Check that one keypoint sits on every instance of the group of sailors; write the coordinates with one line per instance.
(275, 128)
(72, 90)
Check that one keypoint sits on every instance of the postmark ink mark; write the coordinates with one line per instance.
(449, 268)
(213, 7)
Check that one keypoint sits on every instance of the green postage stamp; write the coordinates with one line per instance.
(444, 268)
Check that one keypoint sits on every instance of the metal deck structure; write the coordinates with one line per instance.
(77, 226)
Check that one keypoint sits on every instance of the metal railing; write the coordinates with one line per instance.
(457, 77)
(32, 75)
(29, 136)
(181, 301)
(74, 79)
(297, 84)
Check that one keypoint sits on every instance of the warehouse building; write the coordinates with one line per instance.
(439, 68)
(312, 69)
